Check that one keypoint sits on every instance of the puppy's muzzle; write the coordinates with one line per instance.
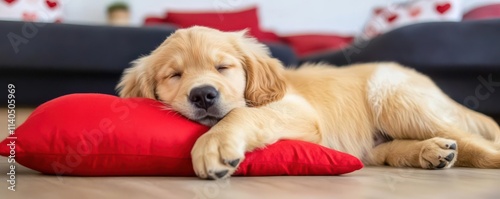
(203, 97)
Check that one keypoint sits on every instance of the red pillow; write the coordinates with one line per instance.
(225, 21)
(103, 135)
(312, 43)
(491, 11)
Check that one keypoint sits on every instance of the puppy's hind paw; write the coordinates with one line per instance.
(438, 153)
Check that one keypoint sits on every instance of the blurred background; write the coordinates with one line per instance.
(290, 17)
(55, 47)
(342, 20)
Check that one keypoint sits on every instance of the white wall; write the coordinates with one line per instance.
(281, 16)
(85, 11)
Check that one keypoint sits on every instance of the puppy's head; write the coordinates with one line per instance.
(204, 73)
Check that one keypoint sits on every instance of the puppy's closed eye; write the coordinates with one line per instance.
(175, 75)
(222, 67)
(172, 76)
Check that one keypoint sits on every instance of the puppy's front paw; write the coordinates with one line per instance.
(216, 156)
(438, 153)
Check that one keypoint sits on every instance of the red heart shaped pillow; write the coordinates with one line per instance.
(103, 135)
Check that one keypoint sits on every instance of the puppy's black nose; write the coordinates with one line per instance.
(203, 96)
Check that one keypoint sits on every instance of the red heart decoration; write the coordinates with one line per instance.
(443, 8)
(29, 16)
(9, 2)
(371, 31)
(51, 3)
(391, 17)
(415, 12)
(378, 11)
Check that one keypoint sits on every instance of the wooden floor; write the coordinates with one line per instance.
(371, 182)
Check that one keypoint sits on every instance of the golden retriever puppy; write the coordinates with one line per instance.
(382, 113)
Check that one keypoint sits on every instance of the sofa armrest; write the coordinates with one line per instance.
(468, 45)
(66, 47)
(283, 52)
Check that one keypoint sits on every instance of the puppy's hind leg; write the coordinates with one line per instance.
(481, 124)
(411, 106)
(406, 118)
(434, 153)
(474, 150)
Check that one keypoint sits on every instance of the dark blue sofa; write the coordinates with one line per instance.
(463, 58)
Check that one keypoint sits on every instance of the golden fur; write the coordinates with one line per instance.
(346, 108)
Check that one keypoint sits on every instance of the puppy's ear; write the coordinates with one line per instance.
(136, 81)
(265, 82)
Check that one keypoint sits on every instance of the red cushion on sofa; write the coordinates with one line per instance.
(151, 20)
(311, 43)
(484, 12)
(267, 36)
(225, 21)
(103, 135)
